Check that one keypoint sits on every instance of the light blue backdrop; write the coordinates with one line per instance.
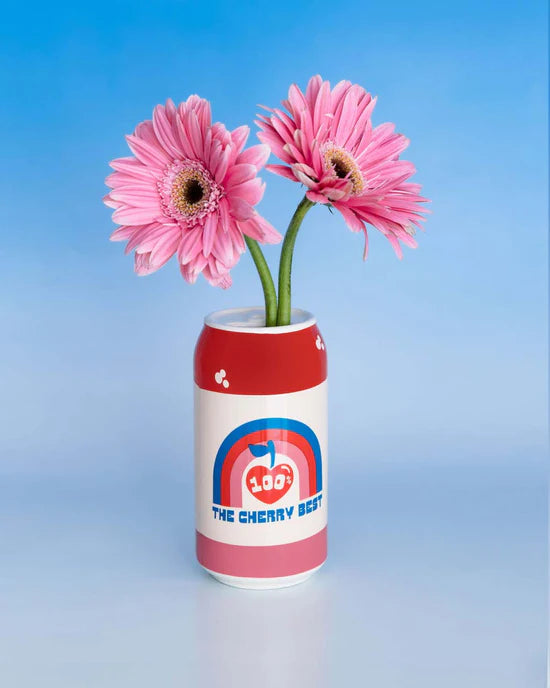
(437, 363)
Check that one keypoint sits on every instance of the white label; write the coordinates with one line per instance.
(261, 466)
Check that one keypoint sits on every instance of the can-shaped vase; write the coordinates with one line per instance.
(260, 449)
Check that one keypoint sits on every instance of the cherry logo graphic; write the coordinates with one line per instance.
(268, 484)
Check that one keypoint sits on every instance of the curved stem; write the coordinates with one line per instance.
(285, 266)
(270, 295)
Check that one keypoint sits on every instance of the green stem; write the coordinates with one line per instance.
(285, 266)
(270, 295)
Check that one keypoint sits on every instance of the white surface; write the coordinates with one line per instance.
(218, 414)
(252, 320)
(436, 578)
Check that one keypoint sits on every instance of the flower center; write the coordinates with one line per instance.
(193, 192)
(344, 167)
(189, 188)
(188, 192)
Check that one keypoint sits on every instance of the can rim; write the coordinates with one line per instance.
(246, 320)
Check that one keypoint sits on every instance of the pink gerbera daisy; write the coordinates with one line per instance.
(190, 190)
(329, 144)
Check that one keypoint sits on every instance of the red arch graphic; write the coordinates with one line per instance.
(243, 461)
(256, 438)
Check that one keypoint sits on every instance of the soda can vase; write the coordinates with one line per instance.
(260, 449)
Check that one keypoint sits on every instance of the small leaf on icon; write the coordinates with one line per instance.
(263, 449)
(258, 449)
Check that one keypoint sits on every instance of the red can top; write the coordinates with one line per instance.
(236, 354)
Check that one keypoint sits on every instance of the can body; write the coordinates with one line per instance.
(260, 449)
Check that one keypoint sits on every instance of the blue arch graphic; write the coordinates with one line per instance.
(267, 424)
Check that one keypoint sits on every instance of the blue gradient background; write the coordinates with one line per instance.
(438, 367)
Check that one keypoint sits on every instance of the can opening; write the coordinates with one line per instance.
(252, 320)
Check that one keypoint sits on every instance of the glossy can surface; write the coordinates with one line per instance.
(260, 449)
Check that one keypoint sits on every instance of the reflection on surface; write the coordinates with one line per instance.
(268, 638)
